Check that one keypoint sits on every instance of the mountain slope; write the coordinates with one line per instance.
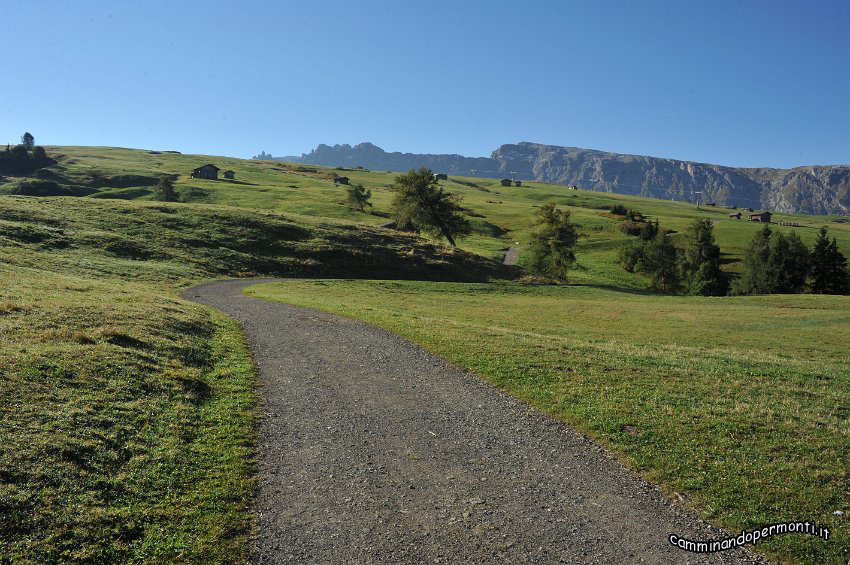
(801, 190)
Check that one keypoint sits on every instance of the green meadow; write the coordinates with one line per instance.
(129, 412)
(740, 404)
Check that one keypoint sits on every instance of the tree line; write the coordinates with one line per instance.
(772, 262)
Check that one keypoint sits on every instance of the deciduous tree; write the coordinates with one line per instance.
(358, 196)
(420, 202)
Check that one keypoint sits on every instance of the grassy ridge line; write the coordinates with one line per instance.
(749, 419)
(502, 214)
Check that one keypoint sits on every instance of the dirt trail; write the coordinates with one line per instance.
(375, 451)
(512, 255)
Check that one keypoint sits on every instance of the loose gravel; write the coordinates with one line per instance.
(372, 450)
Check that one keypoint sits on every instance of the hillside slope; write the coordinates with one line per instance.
(805, 190)
(128, 414)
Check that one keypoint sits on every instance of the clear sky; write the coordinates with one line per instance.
(748, 83)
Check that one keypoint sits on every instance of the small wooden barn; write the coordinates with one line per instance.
(736, 215)
(441, 176)
(206, 172)
(517, 183)
(760, 217)
(229, 175)
(341, 180)
(506, 182)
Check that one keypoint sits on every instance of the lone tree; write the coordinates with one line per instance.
(552, 243)
(358, 196)
(701, 261)
(27, 140)
(828, 267)
(165, 190)
(420, 202)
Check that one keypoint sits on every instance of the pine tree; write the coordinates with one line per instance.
(165, 190)
(828, 269)
(755, 276)
(661, 263)
(27, 140)
(788, 264)
(552, 243)
(701, 262)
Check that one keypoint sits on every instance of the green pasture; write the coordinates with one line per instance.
(740, 404)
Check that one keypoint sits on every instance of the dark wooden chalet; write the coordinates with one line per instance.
(206, 172)
(441, 176)
(341, 180)
(517, 183)
(506, 182)
(229, 175)
(736, 215)
(760, 217)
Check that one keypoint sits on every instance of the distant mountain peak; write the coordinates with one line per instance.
(808, 190)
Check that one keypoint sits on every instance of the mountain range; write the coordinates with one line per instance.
(815, 189)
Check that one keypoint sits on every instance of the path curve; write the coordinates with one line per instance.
(374, 451)
(511, 255)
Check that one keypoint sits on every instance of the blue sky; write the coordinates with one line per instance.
(740, 83)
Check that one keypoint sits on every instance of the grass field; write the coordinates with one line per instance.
(128, 413)
(501, 215)
(739, 403)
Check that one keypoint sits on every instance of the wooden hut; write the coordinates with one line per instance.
(517, 183)
(736, 215)
(229, 175)
(506, 182)
(206, 172)
(760, 217)
(441, 176)
(341, 180)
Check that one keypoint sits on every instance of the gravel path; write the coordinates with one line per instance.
(375, 451)
(512, 255)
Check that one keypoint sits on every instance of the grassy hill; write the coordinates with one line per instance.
(500, 215)
(128, 413)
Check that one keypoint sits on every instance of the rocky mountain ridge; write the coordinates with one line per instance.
(816, 189)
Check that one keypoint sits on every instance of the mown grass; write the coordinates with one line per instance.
(741, 404)
(127, 412)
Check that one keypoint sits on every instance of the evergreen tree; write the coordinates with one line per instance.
(701, 271)
(788, 264)
(828, 267)
(755, 276)
(27, 140)
(420, 202)
(165, 190)
(552, 243)
(660, 264)
(358, 196)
